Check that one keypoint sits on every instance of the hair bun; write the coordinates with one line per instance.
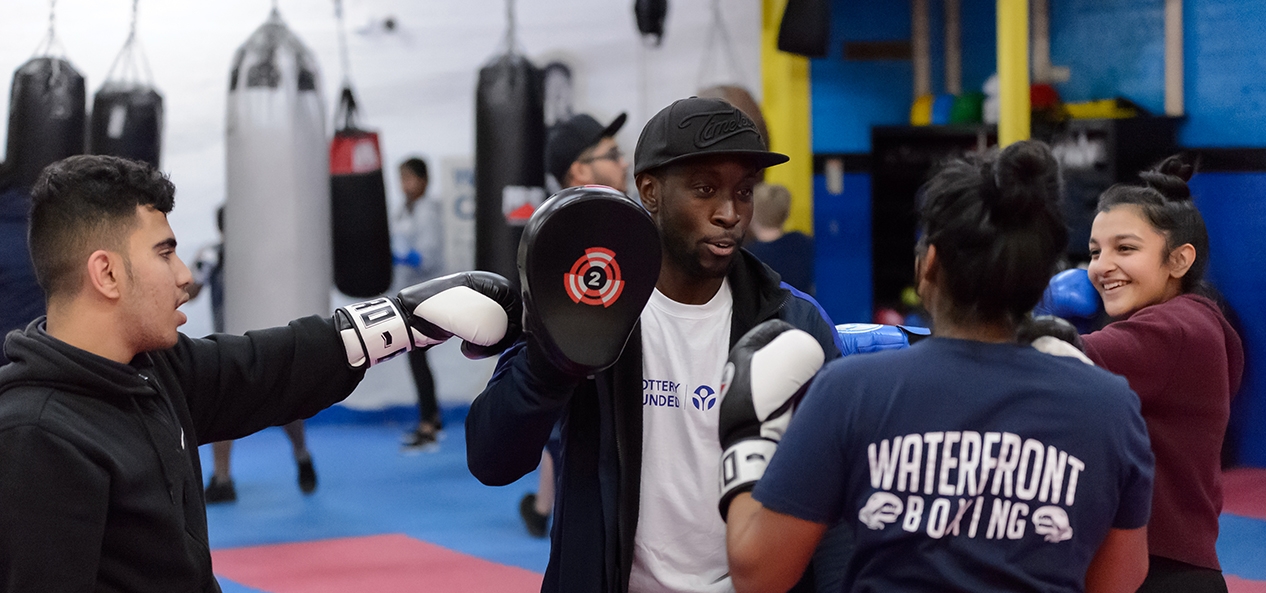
(1027, 178)
(1170, 178)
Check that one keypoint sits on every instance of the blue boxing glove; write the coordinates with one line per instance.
(861, 338)
(1072, 296)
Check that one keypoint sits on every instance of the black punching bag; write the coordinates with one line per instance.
(362, 241)
(46, 117)
(509, 159)
(127, 121)
(650, 18)
(805, 28)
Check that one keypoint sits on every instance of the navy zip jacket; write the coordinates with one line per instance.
(100, 481)
(596, 507)
(19, 292)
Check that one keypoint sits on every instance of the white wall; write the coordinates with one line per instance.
(416, 86)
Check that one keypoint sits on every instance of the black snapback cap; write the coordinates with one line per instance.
(567, 139)
(700, 127)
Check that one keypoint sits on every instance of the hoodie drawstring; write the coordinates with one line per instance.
(171, 487)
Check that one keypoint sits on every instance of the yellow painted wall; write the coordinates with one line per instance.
(785, 105)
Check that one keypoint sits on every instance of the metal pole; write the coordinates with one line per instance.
(953, 48)
(920, 37)
(1173, 58)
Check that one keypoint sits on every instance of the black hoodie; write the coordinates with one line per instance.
(100, 480)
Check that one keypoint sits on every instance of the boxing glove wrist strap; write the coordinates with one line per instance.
(373, 331)
(742, 465)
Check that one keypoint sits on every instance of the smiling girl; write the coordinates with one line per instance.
(1148, 253)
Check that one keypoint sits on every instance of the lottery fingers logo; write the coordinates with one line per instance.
(595, 278)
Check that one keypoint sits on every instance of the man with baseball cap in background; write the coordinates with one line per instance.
(579, 151)
(637, 497)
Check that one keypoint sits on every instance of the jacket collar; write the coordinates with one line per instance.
(758, 293)
(39, 359)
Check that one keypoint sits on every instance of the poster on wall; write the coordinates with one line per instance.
(458, 174)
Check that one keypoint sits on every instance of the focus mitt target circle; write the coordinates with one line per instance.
(588, 262)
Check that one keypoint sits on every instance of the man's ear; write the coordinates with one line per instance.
(577, 174)
(1181, 260)
(649, 189)
(105, 272)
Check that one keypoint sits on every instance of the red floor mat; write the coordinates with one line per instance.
(1244, 492)
(380, 563)
(1235, 584)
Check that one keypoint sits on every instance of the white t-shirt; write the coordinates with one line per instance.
(680, 540)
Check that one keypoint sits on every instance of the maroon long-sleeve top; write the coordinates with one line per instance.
(1185, 362)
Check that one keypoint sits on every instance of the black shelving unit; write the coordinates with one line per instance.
(903, 158)
(1093, 154)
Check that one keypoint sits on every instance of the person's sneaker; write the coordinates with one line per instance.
(534, 521)
(307, 476)
(218, 491)
(419, 442)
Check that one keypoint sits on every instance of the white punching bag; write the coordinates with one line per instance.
(277, 216)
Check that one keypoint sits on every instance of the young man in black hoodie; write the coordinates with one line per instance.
(105, 403)
(636, 508)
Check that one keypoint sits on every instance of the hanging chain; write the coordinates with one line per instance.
(718, 33)
(52, 11)
(342, 44)
(49, 46)
(511, 25)
(132, 33)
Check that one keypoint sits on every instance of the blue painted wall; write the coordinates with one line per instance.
(1234, 210)
(848, 97)
(1225, 73)
(1116, 47)
(841, 235)
(1113, 47)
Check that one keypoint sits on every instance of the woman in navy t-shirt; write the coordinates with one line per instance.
(966, 462)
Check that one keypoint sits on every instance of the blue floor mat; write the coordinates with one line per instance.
(366, 486)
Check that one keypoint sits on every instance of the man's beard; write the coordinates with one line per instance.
(687, 258)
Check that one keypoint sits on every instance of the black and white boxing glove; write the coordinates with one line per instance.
(1052, 335)
(768, 369)
(481, 308)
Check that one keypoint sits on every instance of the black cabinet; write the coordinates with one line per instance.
(903, 158)
(1093, 154)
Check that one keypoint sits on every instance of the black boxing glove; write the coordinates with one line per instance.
(1052, 335)
(481, 308)
(768, 369)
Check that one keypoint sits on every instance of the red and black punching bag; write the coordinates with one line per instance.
(46, 117)
(509, 159)
(358, 198)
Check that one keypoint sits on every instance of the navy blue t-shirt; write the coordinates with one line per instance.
(791, 255)
(963, 465)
